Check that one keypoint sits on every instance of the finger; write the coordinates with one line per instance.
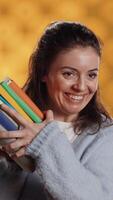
(19, 153)
(14, 146)
(11, 134)
(49, 116)
(14, 115)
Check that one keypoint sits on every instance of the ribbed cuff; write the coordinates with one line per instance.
(37, 144)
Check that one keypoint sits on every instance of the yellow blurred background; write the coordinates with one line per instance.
(23, 21)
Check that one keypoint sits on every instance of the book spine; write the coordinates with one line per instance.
(21, 103)
(6, 102)
(2, 128)
(11, 101)
(25, 97)
(25, 162)
(6, 122)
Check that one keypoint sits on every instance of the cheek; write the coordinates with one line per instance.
(53, 86)
(94, 87)
(57, 84)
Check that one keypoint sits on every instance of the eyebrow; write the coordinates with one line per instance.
(95, 69)
(64, 67)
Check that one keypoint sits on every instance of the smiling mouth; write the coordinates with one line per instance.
(74, 98)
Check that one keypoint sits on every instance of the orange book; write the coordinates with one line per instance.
(24, 97)
(13, 103)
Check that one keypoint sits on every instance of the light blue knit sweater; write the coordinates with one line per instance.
(79, 171)
(82, 170)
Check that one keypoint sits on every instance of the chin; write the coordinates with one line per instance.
(71, 112)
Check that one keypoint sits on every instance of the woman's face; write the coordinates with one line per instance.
(72, 81)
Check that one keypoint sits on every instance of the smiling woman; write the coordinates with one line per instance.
(71, 145)
(72, 81)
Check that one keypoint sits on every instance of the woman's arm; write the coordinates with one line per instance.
(63, 175)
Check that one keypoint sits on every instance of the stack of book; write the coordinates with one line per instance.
(14, 97)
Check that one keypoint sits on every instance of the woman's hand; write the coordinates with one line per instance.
(23, 136)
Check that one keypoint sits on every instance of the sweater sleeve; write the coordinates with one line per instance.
(64, 176)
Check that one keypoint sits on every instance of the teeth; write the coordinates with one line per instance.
(76, 97)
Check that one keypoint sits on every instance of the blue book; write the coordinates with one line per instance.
(5, 101)
(2, 128)
(7, 122)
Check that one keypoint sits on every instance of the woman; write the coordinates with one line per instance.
(73, 146)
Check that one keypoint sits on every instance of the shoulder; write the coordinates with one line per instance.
(102, 134)
(107, 126)
(99, 144)
(105, 133)
(106, 122)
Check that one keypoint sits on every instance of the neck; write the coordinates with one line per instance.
(64, 117)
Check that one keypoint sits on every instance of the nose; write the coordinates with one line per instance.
(80, 84)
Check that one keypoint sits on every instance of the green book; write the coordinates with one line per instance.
(20, 102)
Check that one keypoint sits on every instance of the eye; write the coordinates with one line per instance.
(93, 75)
(69, 74)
